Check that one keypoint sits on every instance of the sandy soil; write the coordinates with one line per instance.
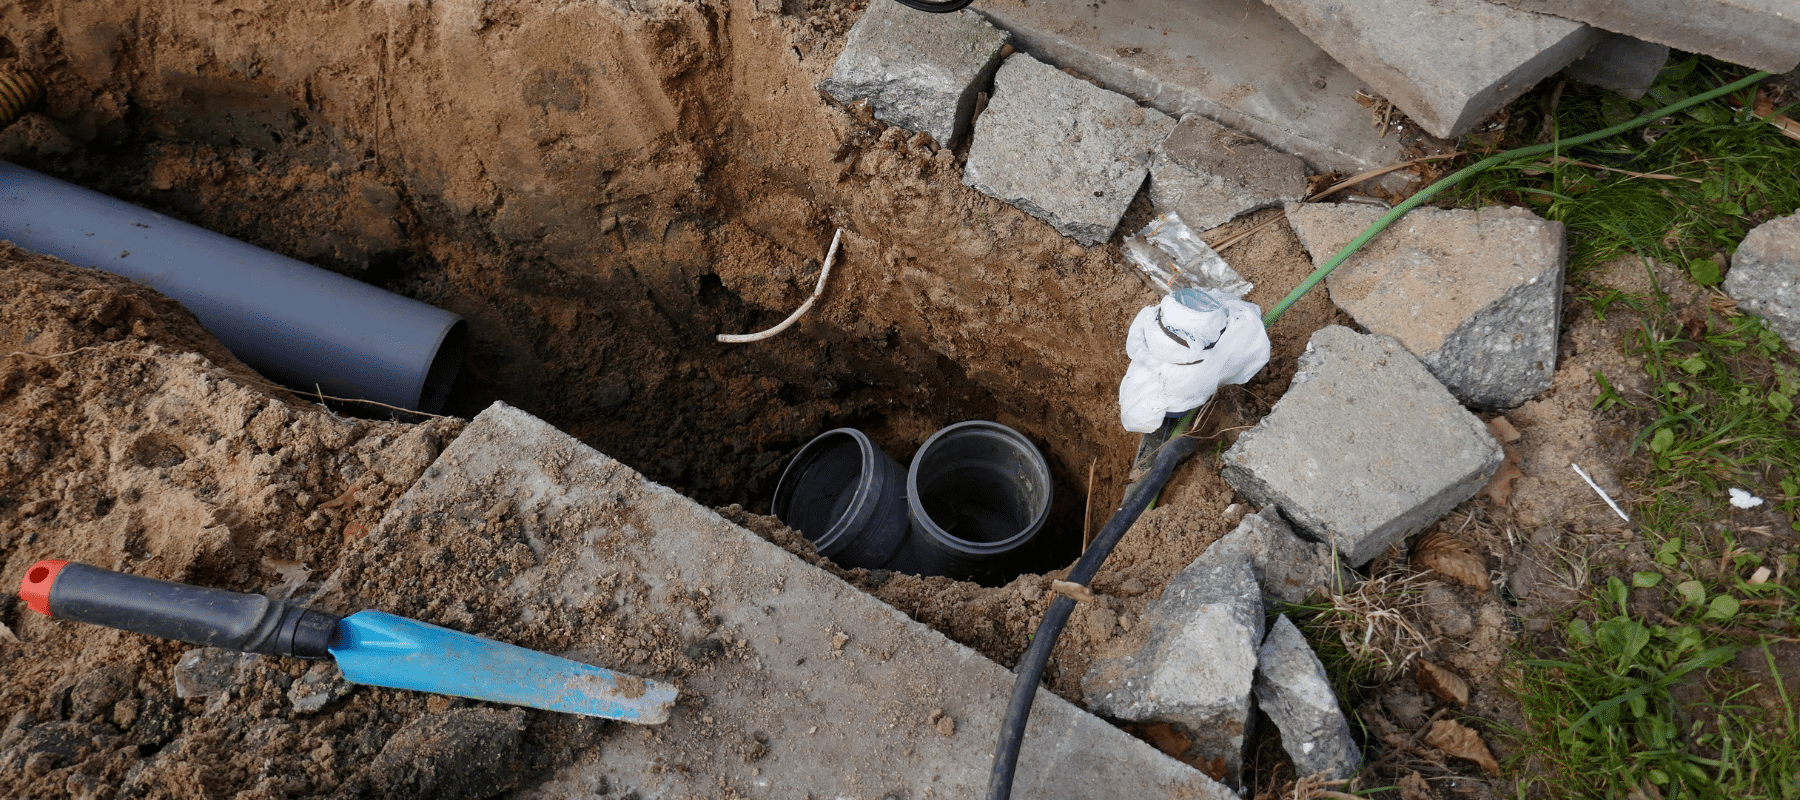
(599, 189)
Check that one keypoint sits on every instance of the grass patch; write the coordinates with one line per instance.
(1650, 704)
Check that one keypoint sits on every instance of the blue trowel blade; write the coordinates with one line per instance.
(381, 649)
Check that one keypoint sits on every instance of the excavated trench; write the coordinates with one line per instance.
(600, 189)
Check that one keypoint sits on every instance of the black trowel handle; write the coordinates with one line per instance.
(213, 617)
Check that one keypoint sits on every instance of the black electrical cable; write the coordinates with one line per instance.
(1031, 666)
(943, 7)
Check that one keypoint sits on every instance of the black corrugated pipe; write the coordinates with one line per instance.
(303, 326)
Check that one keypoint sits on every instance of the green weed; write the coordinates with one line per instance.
(1609, 703)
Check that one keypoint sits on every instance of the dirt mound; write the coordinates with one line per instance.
(133, 441)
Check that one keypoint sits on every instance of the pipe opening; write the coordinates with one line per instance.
(441, 376)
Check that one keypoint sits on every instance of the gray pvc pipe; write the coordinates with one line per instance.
(293, 322)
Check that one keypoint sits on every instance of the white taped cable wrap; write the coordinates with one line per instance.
(1183, 349)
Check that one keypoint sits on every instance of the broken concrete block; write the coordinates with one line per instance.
(1476, 295)
(1234, 61)
(1447, 63)
(1293, 689)
(1196, 666)
(1765, 276)
(1365, 448)
(1625, 65)
(918, 70)
(1208, 173)
(1287, 567)
(1061, 149)
(1764, 34)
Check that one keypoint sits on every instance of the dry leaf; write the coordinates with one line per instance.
(1499, 488)
(1165, 738)
(1461, 741)
(1449, 557)
(1442, 683)
(1413, 787)
(1502, 429)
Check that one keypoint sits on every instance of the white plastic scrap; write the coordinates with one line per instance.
(1743, 499)
(1599, 491)
(1183, 349)
(1172, 256)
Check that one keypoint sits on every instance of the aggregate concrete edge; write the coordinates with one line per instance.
(1764, 277)
(1233, 61)
(1448, 64)
(1755, 33)
(848, 715)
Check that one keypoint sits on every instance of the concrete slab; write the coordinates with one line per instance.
(1195, 667)
(1293, 689)
(1364, 449)
(918, 70)
(793, 683)
(1287, 567)
(1765, 276)
(1447, 63)
(1764, 34)
(1621, 63)
(1061, 149)
(1475, 295)
(1233, 61)
(1208, 174)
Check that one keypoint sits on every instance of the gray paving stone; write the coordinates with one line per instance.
(1476, 295)
(1293, 689)
(1196, 666)
(1062, 149)
(799, 685)
(1447, 63)
(1764, 34)
(1620, 63)
(918, 70)
(1208, 174)
(1234, 61)
(1765, 276)
(1365, 448)
(1287, 567)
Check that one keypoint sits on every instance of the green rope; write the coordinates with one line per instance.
(1476, 168)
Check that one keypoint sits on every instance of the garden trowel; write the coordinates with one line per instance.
(371, 647)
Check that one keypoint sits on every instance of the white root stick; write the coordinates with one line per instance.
(1074, 591)
(740, 338)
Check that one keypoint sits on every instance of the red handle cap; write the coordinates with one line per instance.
(35, 589)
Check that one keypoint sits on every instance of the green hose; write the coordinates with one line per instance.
(1476, 168)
